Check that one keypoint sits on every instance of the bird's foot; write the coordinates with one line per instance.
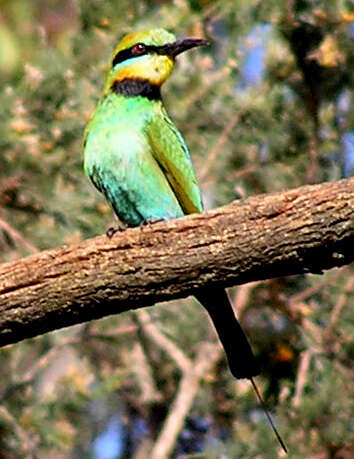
(112, 230)
(152, 221)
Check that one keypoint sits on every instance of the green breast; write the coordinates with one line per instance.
(119, 161)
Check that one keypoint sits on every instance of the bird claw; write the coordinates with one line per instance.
(152, 221)
(113, 230)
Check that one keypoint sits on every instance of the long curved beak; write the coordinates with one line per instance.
(179, 46)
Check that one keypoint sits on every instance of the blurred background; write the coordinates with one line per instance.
(267, 107)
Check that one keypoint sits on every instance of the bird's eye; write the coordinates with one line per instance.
(138, 49)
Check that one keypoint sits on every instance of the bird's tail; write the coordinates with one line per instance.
(242, 362)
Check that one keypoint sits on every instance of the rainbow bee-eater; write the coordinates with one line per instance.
(137, 158)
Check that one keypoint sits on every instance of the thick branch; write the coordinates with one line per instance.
(308, 229)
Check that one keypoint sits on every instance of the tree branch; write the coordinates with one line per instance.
(173, 351)
(308, 229)
(181, 405)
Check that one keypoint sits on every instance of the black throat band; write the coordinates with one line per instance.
(131, 87)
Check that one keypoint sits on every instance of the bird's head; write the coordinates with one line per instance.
(147, 55)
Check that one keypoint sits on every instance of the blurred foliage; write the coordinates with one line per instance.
(268, 106)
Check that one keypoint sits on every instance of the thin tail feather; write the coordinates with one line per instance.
(242, 362)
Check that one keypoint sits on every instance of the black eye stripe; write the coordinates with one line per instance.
(128, 53)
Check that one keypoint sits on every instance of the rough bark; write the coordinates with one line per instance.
(308, 229)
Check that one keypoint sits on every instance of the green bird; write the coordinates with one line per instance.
(137, 158)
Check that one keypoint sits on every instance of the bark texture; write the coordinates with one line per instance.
(308, 229)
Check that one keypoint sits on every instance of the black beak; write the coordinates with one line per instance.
(179, 46)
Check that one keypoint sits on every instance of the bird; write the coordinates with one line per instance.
(135, 155)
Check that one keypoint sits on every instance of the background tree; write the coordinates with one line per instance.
(267, 107)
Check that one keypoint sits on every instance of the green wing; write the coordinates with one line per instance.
(171, 153)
